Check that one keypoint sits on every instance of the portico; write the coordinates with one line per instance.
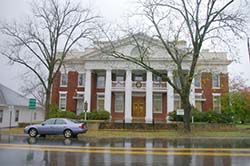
(135, 88)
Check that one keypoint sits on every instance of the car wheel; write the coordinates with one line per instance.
(67, 133)
(33, 132)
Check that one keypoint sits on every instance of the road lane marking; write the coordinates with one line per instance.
(123, 151)
(128, 148)
(133, 152)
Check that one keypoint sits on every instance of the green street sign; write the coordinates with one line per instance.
(32, 104)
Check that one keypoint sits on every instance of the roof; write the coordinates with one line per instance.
(10, 97)
(127, 40)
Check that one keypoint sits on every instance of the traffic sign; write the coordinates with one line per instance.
(180, 112)
(32, 104)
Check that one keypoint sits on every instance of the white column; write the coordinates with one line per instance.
(170, 90)
(192, 94)
(108, 86)
(88, 88)
(149, 98)
(128, 97)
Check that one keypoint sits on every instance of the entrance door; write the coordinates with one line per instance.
(138, 109)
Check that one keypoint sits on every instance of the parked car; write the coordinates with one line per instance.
(68, 127)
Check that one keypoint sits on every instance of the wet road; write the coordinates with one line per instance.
(22, 150)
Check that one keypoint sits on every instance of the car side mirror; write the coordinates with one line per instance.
(43, 124)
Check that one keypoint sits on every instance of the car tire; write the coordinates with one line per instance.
(68, 133)
(33, 132)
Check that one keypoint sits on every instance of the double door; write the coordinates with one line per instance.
(138, 107)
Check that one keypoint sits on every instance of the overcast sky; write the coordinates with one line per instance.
(113, 10)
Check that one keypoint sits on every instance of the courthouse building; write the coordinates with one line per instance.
(129, 92)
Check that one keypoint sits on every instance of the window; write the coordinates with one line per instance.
(198, 102)
(177, 102)
(119, 102)
(216, 102)
(119, 78)
(1, 116)
(60, 122)
(157, 103)
(216, 80)
(161, 78)
(100, 102)
(197, 81)
(49, 122)
(157, 78)
(81, 79)
(17, 116)
(62, 101)
(139, 76)
(100, 81)
(64, 79)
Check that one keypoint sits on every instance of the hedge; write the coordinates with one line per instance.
(209, 116)
(96, 115)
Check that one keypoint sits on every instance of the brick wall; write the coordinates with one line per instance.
(207, 89)
(71, 89)
(206, 84)
(55, 89)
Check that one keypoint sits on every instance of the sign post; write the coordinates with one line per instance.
(32, 106)
(85, 110)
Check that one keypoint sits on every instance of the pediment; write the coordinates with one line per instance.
(127, 46)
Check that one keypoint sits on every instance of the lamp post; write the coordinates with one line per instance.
(85, 110)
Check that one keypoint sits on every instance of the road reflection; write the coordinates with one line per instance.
(60, 152)
(34, 140)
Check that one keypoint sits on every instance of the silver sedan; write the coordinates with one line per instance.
(56, 126)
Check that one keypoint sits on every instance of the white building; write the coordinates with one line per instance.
(14, 109)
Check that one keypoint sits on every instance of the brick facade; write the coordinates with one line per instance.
(206, 90)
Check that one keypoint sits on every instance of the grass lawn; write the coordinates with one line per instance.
(150, 134)
(243, 126)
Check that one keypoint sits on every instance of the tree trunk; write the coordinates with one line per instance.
(185, 103)
(47, 101)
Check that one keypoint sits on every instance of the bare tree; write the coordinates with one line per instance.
(238, 83)
(33, 87)
(172, 21)
(55, 25)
